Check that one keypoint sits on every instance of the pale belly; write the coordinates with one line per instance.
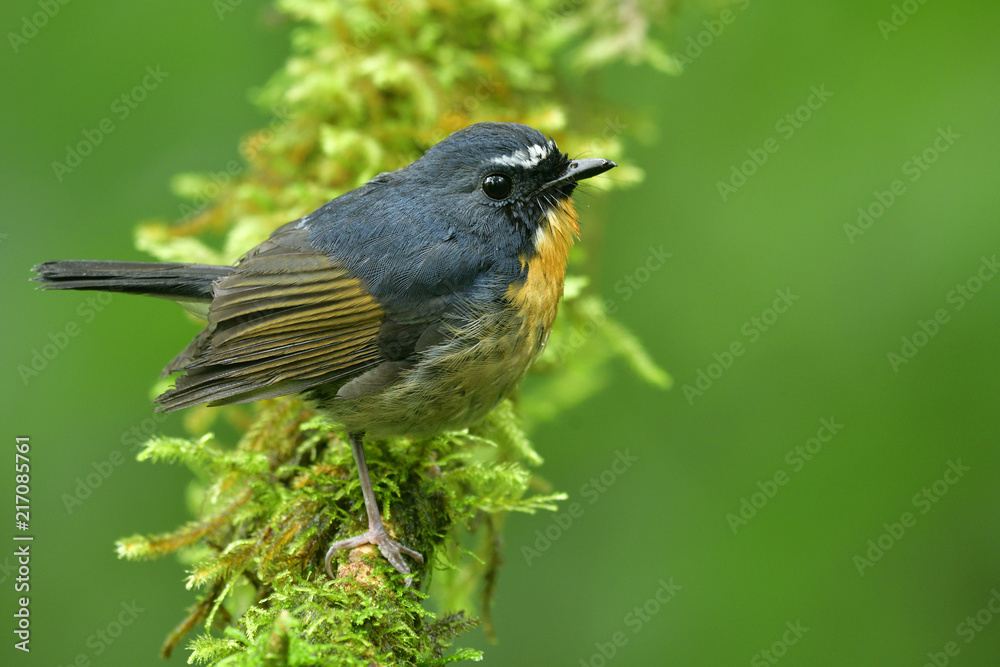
(452, 386)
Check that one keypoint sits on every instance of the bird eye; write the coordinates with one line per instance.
(497, 186)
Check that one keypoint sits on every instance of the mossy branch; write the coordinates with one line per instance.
(368, 87)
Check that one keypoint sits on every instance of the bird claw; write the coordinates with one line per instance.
(390, 548)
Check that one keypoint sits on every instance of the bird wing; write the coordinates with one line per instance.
(288, 318)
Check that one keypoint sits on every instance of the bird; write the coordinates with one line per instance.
(411, 305)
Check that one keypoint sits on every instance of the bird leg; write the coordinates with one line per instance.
(376, 533)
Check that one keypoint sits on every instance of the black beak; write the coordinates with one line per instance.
(581, 169)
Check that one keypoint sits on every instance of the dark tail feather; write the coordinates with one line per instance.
(179, 282)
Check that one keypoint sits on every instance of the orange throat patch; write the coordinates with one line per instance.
(537, 299)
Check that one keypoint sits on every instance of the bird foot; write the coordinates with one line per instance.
(390, 548)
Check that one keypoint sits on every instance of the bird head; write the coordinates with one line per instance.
(507, 180)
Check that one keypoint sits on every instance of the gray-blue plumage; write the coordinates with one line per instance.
(410, 305)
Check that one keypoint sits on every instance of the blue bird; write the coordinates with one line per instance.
(409, 306)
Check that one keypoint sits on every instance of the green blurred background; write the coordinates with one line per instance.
(591, 597)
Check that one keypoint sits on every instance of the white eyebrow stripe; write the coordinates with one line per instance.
(525, 158)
